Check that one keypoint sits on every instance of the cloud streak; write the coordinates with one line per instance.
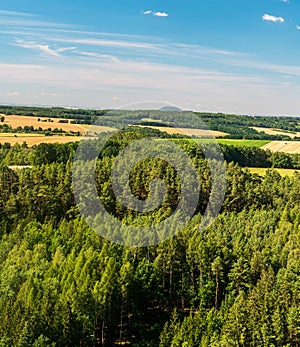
(45, 49)
(15, 13)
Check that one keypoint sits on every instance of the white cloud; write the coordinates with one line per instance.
(160, 14)
(156, 14)
(298, 27)
(274, 19)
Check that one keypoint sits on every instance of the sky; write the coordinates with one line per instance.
(206, 55)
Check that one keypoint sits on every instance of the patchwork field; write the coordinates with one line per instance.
(283, 172)
(271, 131)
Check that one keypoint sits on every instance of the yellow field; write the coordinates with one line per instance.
(15, 121)
(187, 131)
(271, 131)
(283, 146)
(33, 139)
(282, 172)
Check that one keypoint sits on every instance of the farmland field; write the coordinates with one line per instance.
(291, 147)
(247, 143)
(283, 172)
(233, 142)
(271, 131)
(35, 139)
(15, 121)
(187, 131)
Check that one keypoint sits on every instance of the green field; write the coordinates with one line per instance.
(248, 143)
(232, 142)
(262, 171)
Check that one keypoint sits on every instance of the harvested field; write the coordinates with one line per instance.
(292, 147)
(32, 139)
(15, 121)
(271, 131)
(187, 131)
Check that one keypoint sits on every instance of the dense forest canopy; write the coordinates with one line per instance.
(234, 284)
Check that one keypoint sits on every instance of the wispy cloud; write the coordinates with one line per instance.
(94, 85)
(102, 65)
(298, 27)
(45, 49)
(15, 13)
(274, 19)
(12, 94)
(106, 43)
(156, 14)
(98, 56)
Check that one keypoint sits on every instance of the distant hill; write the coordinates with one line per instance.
(170, 108)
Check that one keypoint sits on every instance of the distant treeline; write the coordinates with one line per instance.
(242, 155)
(237, 126)
(29, 129)
(258, 157)
(220, 120)
(78, 115)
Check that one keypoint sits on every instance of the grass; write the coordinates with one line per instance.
(247, 143)
(232, 142)
(283, 172)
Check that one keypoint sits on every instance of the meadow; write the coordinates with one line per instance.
(233, 142)
(247, 143)
(283, 172)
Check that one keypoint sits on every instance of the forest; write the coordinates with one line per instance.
(236, 283)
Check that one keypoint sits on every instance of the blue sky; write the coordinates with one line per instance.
(228, 56)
